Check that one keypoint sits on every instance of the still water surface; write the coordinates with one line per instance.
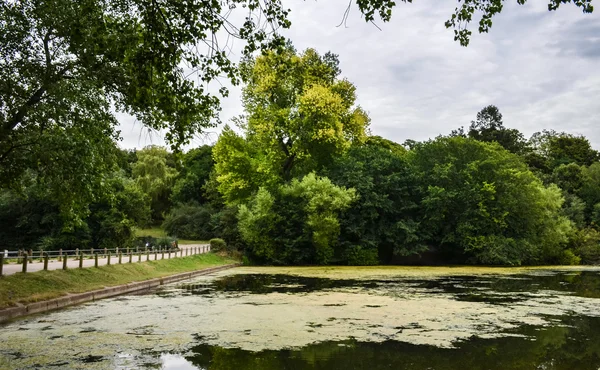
(328, 318)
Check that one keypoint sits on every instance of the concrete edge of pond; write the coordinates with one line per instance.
(10, 313)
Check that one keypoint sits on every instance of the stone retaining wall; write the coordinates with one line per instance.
(73, 299)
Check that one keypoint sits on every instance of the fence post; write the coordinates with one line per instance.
(147, 255)
(30, 256)
(130, 256)
(46, 259)
(155, 254)
(25, 264)
(95, 259)
(139, 256)
(120, 257)
(163, 254)
(1, 263)
(41, 256)
(60, 254)
(169, 253)
(108, 259)
(65, 259)
(81, 261)
(76, 252)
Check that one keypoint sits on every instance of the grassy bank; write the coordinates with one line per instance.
(33, 287)
(157, 232)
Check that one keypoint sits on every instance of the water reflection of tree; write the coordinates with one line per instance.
(573, 345)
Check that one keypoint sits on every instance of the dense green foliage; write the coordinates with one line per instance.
(301, 181)
(68, 66)
(155, 177)
(298, 224)
(299, 116)
(189, 221)
(313, 187)
(482, 204)
(33, 220)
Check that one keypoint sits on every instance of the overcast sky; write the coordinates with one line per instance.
(540, 68)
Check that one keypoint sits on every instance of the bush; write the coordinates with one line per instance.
(225, 225)
(142, 241)
(167, 242)
(569, 258)
(359, 256)
(217, 245)
(586, 244)
(189, 221)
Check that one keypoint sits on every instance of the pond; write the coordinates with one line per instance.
(328, 318)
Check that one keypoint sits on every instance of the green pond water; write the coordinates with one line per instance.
(327, 318)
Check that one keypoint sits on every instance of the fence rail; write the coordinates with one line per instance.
(128, 255)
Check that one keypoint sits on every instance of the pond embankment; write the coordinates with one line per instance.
(24, 294)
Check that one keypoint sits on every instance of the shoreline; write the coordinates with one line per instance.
(10, 313)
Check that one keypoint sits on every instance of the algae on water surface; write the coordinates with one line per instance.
(247, 313)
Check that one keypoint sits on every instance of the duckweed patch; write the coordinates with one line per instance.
(254, 318)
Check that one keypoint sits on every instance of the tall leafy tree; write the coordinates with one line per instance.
(553, 149)
(590, 192)
(299, 116)
(488, 126)
(66, 65)
(196, 166)
(382, 222)
(482, 204)
(155, 177)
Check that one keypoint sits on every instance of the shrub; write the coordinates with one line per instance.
(225, 225)
(141, 241)
(217, 245)
(359, 256)
(586, 244)
(189, 221)
(167, 242)
(569, 258)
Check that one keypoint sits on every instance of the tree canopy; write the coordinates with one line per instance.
(299, 115)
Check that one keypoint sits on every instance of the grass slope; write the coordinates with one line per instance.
(157, 232)
(37, 286)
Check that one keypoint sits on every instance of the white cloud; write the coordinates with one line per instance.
(540, 68)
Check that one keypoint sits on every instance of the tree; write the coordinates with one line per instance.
(553, 149)
(489, 127)
(155, 178)
(189, 221)
(196, 167)
(482, 204)
(113, 218)
(299, 115)
(590, 192)
(463, 14)
(298, 224)
(33, 220)
(382, 221)
(66, 64)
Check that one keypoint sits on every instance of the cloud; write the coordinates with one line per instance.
(540, 68)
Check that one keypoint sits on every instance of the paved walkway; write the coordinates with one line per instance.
(73, 263)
